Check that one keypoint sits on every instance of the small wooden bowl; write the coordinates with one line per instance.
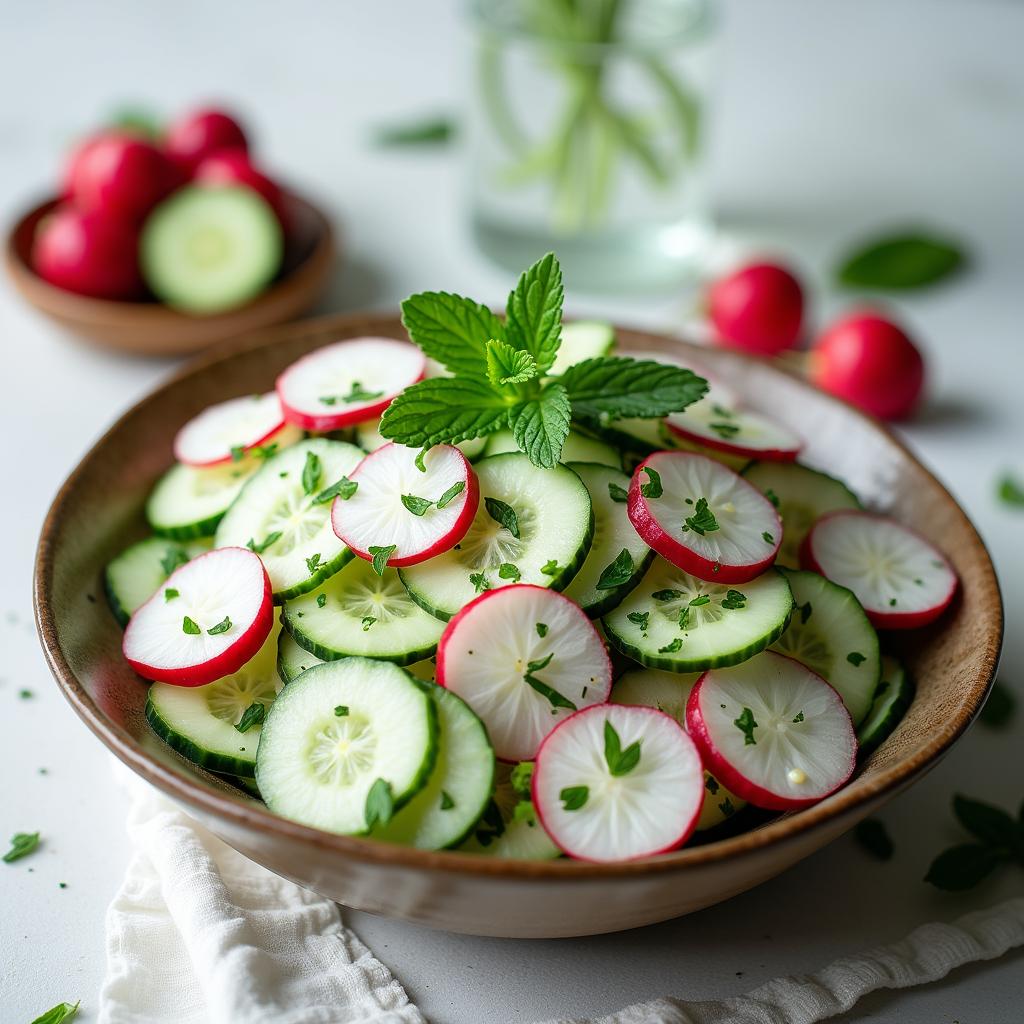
(153, 329)
(99, 510)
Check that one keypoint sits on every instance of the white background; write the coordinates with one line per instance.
(834, 119)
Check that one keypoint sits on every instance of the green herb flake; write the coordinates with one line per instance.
(367, 622)
(746, 725)
(767, 537)
(1011, 491)
(727, 808)
(357, 393)
(418, 461)
(417, 506)
(856, 659)
(321, 600)
(447, 803)
(222, 627)
(22, 844)
(554, 698)
(190, 626)
(684, 617)
(703, 519)
(380, 556)
(311, 473)
(26, 694)
(725, 430)
(672, 648)
(617, 493)
(265, 451)
(772, 497)
(653, 487)
(799, 718)
(170, 594)
(641, 619)
(237, 452)
(313, 563)
(254, 714)
(574, 797)
(521, 778)
(508, 571)
(380, 804)
(620, 761)
(542, 629)
(667, 595)
(504, 515)
(805, 611)
(550, 567)
(479, 581)
(62, 1013)
(172, 558)
(341, 711)
(711, 784)
(268, 541)
(428, 131)
(343, 489)
(700, 600)
(873, 836)
(617, 573)
(733, 600)
(453, 492)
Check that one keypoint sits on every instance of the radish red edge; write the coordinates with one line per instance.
(715, 444)
(537, 776)
(651, 531)
(261, 442)
(731, 778)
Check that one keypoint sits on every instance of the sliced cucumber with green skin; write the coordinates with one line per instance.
(830, 633)
(199, 722)
(292, 660)
(577, 448)
(613, 534)
(583, 339)
(509, 828)
(357, 613)
(134, 576)
(368, 436)
(279, 516)
(804, 495)
(445, 811)
(555, 523)
(892, 699)
(337, 732)
(188, 502)
(646, 626)
(669, 692)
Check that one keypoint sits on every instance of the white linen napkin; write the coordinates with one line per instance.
(199, 934)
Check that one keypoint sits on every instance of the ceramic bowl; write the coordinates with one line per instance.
(98, 511)
(153, 329)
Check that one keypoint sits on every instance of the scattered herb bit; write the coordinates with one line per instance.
(1000, 706)
(313, 563)
(999, 840)
(805, 611)
(619, 761)
(574, 797)
(22, 844)
(684, 617)
(479, 581)
(254, 714)
(358, 393)
(321, 600)
(265, 451)
(62, 1013)
(26, 694)
(667, 595)
(237, 452)
(855, 658)
(380, 556)
(799, 717)
(62, 885)
(417, 506)
(222, 627)
(617, 573)
(447, 803)
(553, 696)
(190, 626)
(504, 515)
(617, 493)
(341, 711)
(367, 622)
(727, 808)
(430, 131)
(772, 497)
(271, 538)
(170, 594)
(380, 803)
(700, 600)
(725, 430)
(542, 663)
(892, 602)
(673, 647)
(653, 487)
(1011, 491)
(723, 412)
(453, 492)
(521, 778)
(508, 571)
(542, 629)
(900, 261)
(344, 489)
(746, 725)
(641, 619)
(418, 462)
(311, 472)
(173, 557)
(703, 519)
(767, 537)
(873, 836)
(550, 567)
(734, 599)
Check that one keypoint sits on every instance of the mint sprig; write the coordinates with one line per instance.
(999, 839)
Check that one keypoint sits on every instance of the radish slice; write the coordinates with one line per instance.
(723, 427)
(618, 782)
(901, 580)
(226, 431)
(523, 658)
(703, 517)
(347, 382)
(775, 733)
(416, 513)
(204, 622)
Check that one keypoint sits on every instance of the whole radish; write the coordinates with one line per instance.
(120, 173)
(233, 167)
(870, 362)
(91, 252)
(197, 135)
(758, 308)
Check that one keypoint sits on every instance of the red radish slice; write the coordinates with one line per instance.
(703, 517)
(419, 513)
(523, 658)
(347, 382)
(772, 731)
(618, 782)
(725, 428)
(901, 580)
(227, 430)
(206, 621)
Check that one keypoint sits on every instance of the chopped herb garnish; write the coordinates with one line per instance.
(504, 515)
(521, 777)
(341, 711)
(344, 489)
(673, 647)
(550, 567)
(447, 803)
(222, 627)
(805, 612)
(892, 602)
(26, 694)
(725, 430)
(734, 599)
(321, 600)
(1011, 491)
(746, 725)
(574, 797)
(270, 539)
(173, 557)
(417, 506)
(359, 394)
(313, 563)
(22, 844)
(653, 488)
(479, 581)
(619, 761)
(617, 493)
(667, 595)
(190, 626)
(554, 697)
(772, 497)
(723, 412)
(703, 519)
(711, 784)
(999, 839)
(617, 573)
(641, 619)
(311, 472)
(265, 451)
(684, 617)
(542, 629)
(170, 594)
(508, 571)
(380, 803)
(855, 658)
(699, 600)
(254, 714)
(727, 808)
(237, 452)
(418, 461)
(799, 717)
(367, 622)
(871, 834)
(767, 537)
(453, 492)
(380, 556)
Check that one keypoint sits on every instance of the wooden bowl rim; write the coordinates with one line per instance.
(191, 792)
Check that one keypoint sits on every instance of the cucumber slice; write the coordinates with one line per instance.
(802, 496)
(646, 626)
(577, 448)
(613, 534)
(357, 613)
(339, 730)
(134, 576)
(892, 699)
(509, 828)
(199, 722)
(830, 634)
(280, 517)
(669, 692)
(555, 523)
(444, 812)
(584, 339)
(292, 660)
(369, 438)
(208, 249)
(188, 502)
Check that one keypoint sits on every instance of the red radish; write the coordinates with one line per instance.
(120, 173)
(347, 382)
(901, 580)
(703, 517)
(197, 135)
(736, 432)
(867, 360)
(205, 622)
(232, 167)
(226, 431)
(418, 513)
(90, 252)
(618, 782)
(73, 164)
(523, 658)
(772, 731)
(758, 308)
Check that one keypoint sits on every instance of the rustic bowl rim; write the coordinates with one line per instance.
(193, 793)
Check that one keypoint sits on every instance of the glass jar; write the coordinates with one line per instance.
(586, 137)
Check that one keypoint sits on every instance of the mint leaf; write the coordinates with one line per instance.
(504, 515)
(746, 725)
(542, 629)
(343, 488)
(1011, 491)
(172, 558)
(367, 621)
(521, 778)
(222, 627)
(271, 538)
(508, 365)
(62, 1013)
(311, 473)
(667, 595)
(452, 329)
(541, 425)
(22, 844)
(380, 556)
(254, 714)
(962, 867)
(617, 493)
(653, 488)
(453, 492)
(898, 261)
(703, 519)
(533, 314)
(734, 599)
(380, 803)
(430, 131)
(618, 572)
(873, 836)
(619, 761)
(553, 696)
(641, 619)
(550, 567)
(479, 581)
(992, 825)
(574, 797)
(444, 410)
(313, 563)
(447, 803)
(170, 594)
(612, 387)
(341, 711)
(190, 626)
(417, 506)
(856, 659)
(508, 571)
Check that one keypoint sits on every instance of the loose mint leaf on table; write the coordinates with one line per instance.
(612, 387)
(999, 708)
(62, 1013)
(444, 410)
(905, 260)
(1011, 491)
(508, 365)
(872, 835)
(992, 825)
(533, 314)
(429, 131)
(453, 330)
(22, 844)
(962, 867)
(541, 425)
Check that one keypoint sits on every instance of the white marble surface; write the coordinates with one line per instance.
(833, 118)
